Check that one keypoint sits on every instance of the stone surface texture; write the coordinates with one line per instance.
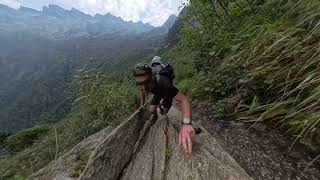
(143, 148)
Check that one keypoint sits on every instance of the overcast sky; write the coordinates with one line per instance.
(154, 12)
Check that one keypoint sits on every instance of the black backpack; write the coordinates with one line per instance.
(163, 69)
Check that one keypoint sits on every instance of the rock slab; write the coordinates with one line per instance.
(141, 149)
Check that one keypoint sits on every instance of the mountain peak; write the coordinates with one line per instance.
(54, 10)
(170, 21)
(63, 23)
(76, 12)
(27, 9)
(56, 7)
(5, 8)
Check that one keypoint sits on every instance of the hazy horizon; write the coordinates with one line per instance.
(154, 12)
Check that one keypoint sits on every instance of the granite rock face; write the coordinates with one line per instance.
(153, 153)
(143, 148)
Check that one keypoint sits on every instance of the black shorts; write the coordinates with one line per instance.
(167, 102)
(165, 91)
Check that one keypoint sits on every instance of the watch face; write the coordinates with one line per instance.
(186, 120)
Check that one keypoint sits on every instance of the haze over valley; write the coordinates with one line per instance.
(40, 51)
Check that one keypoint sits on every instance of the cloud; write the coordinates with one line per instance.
(11, 3)
(154, 12)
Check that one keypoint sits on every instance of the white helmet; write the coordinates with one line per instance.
(158, 60)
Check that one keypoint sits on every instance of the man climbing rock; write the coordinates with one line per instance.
(157, 79)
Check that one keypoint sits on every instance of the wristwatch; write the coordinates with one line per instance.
(187, 120)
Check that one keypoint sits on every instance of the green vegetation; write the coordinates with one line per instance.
(255, 60)
(49, 66)
(25, 138)
(103, 100)
(82, 102)
(3, 136)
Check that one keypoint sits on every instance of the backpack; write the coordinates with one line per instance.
(164, 69)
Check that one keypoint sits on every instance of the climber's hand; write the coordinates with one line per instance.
(186, 135)
(153, 108)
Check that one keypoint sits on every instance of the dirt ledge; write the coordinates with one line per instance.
(262, 152)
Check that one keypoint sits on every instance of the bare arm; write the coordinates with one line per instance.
(184, 104)
(142, 96)
(187, 132)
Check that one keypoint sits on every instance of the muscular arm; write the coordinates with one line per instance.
(184, 104)
(187, 132)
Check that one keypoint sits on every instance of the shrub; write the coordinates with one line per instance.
(25, 138)
(3, 136)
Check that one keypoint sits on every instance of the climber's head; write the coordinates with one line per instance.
(143, 76)
(156, 60)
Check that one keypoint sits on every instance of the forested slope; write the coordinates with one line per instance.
(40, 52)
(256, 61)
(37, 74)
(63, 89)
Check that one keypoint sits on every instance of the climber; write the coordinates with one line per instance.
(157, 79)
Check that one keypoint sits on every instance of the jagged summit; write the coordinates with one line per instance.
(4, 8)
(54, 10)
(56, 22)
(164, 29)
(27, 9)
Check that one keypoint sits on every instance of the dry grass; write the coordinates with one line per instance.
(288, 63)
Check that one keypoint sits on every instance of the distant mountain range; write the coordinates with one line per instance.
(40, 52)
(55, 22)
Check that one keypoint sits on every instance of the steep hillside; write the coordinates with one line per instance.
(40, 52)
(37, 73)
(256, 61)
(102, 99)
(61, 85)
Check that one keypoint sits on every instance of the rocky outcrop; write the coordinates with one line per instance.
(72, 163)
(143, 148)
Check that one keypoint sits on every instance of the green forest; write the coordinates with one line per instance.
(254, 60)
